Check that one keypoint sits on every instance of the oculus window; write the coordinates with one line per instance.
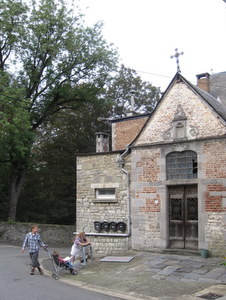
(181, 165)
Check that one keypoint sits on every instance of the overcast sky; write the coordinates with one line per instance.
(146, 33)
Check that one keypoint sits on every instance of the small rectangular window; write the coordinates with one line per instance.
(105, 194)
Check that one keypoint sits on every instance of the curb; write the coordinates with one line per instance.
(214, 289)
(96, 289)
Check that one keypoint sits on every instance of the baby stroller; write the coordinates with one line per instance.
(59, 264)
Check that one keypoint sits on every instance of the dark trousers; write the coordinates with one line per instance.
(34, 259)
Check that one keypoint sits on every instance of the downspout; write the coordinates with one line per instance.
(120, 162)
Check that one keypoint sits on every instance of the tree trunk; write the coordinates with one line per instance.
(17, 178)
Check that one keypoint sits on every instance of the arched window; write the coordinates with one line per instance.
(181, 165)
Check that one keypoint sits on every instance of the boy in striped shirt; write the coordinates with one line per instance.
(33, 241)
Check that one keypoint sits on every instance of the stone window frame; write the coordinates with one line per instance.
(105, 194)
(104, 187)
(182, 165)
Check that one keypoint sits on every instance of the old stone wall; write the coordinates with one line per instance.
(150, 194)
(53, 235)
(61, 235)
(101, 171)
(214, 170)
(109, 245)
(146, 202)
(201, 122)
(181, 122)
(215, 232)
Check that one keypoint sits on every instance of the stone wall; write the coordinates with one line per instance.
(187, 123)
(146, 200)
(150, 194)
(109, 245)
(53, 235)
(62, 236)
(101, 171)
(215, 232)
(214, 197)
(201, 122)
(181, 122)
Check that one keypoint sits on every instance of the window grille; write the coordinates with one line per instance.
(181, 165)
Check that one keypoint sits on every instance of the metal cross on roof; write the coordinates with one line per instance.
(176, 55)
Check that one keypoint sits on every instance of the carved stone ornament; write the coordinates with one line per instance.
(167, 135)
(193, 131)
(179, 114)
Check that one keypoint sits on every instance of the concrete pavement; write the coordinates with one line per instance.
(151, 276)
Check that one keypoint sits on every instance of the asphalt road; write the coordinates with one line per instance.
(16, 283)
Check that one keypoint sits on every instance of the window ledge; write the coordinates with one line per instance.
(181, 181)
(105, 200)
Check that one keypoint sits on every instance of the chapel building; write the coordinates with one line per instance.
(163, 185)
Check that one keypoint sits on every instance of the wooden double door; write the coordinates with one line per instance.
(183, 217)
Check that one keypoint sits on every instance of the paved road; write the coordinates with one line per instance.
(17, 284)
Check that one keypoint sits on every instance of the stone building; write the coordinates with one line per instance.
(163, 185)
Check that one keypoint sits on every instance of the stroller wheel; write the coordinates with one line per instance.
(55, 276)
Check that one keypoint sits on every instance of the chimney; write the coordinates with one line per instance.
(203, 81)
(132, 105)
(102, 142)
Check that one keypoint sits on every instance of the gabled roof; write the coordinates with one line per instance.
(213, 102)
(209, 99)
(206, 97)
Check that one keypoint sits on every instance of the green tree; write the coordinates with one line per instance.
(52, 179)
(125, 82)
(47, 57)
(4, 175)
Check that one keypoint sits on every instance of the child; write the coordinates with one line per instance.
(80, 240)
(65, 262)
(33, 240)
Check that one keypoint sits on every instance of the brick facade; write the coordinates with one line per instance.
(124, 132)
(183, 121)
(150, 184)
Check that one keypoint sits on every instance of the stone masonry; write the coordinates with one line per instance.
(183, 121)
(101, 171)
(149, 182)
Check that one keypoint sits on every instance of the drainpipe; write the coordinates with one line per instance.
(120, 161)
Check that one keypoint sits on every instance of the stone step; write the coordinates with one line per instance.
(187, 252)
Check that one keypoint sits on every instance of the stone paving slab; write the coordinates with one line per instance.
(158, 266)
(192, 276)
(155, 276)
(200, 271)
(185, 269)
(194, 268)
(222, 277)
